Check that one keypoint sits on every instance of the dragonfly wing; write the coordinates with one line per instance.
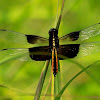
(83, 34)
(89, 32)
(36, 39)
(41, 53)
(36, 53)
(80, 50)
(68, 51)
(20, 37)
(70, 37)
(14, 53)
(89, 48)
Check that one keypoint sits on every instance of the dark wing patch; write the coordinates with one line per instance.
(35, 39)
(20, 37)
(68, 51)
(71, 36)
(83, 34)
(40, 53)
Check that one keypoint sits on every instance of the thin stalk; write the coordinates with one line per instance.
(41, 81)
(57, 82)
(59, 20)
(46, 89)
(57, 13)
(52, 86)
(57, 79)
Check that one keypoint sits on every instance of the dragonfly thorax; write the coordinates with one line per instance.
(53, 38)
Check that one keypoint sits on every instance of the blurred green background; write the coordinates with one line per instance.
(37, 17)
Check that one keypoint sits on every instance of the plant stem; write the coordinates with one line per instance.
(41, 81)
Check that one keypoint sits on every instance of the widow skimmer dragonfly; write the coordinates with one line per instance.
(55, 51)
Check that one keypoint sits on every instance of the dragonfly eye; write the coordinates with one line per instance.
(53, 30)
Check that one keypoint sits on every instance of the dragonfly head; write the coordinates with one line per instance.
(53, 31)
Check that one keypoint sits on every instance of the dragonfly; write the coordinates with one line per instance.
(54, 51)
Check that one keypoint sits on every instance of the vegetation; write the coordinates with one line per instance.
(19, 79)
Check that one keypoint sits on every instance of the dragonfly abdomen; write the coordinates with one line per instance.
(54, 45)
(54, 61)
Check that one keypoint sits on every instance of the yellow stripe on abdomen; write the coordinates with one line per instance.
(54, 61)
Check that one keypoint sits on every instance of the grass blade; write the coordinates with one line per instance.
(59, 20)
(57, 81)
(41, 81)
(46, 89)
(79, 65)
(52, 86)
(63, 89)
